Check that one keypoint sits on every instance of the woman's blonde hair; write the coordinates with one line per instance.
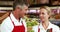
(47, 9)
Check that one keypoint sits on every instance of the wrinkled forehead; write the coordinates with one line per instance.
(22, 6)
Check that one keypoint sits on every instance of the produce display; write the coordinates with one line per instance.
(30, 23)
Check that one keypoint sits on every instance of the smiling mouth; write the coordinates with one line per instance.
(41, 17)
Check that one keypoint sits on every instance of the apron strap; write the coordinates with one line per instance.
(22, 22)
(51, 30)
(12, 21)
(38, 29)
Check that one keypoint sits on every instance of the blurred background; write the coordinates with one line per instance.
(33, 11)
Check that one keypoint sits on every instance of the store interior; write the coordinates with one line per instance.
(33, 11)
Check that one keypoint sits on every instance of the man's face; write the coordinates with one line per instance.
(23, 11)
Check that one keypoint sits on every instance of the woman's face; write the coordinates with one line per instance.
(43, 14)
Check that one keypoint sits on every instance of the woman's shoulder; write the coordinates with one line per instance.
(35, 26)
(55, 26)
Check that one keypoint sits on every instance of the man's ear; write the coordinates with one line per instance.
(18, 8)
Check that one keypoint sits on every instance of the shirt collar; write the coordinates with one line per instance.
(50, 26)
(14, 19)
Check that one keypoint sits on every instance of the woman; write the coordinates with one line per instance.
(45, 25)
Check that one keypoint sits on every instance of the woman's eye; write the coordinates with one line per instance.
(42, 13)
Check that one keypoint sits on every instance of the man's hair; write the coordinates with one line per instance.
(21, 3)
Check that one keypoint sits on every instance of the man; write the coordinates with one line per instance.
(15, 22)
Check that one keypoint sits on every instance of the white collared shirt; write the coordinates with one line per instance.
(7, 25)
(54, 28)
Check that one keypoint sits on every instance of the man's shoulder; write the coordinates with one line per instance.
(6, 25)
(6, 20)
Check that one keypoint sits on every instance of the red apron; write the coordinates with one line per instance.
(38, 29)
(19, 28)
